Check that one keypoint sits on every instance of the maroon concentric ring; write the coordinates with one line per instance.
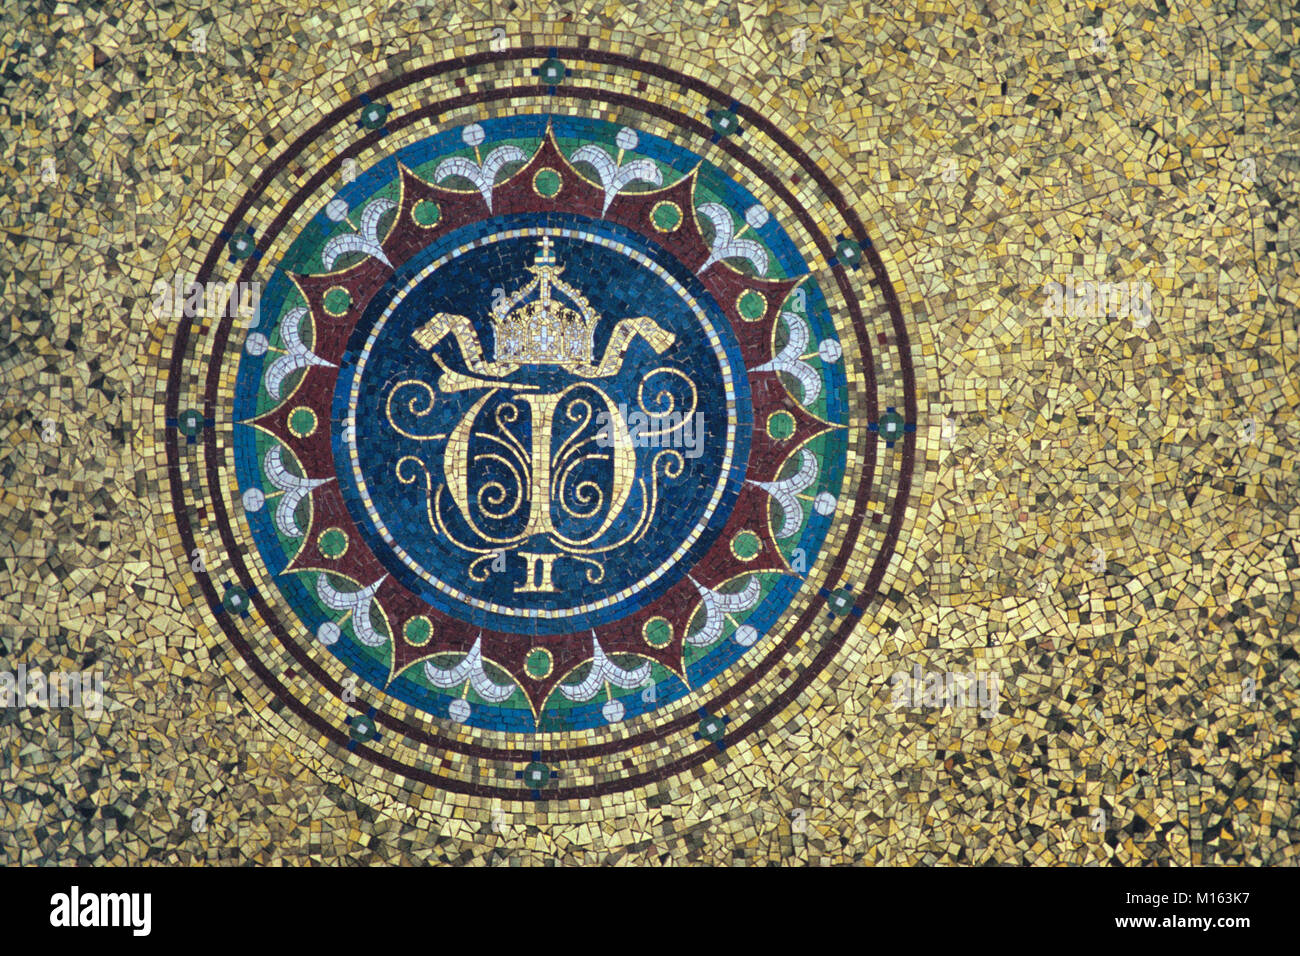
(865, 591)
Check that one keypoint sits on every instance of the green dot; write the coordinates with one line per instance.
(712, 728)
(840, 602)
(241, 247)
(666, 216)
(426, 213)
(658, 632)
(537, 774)
(538, 663)
(333, 542)
(552, 71)
(751, 304)
(547, 182)
(746, 545)
(302, 422)
(418, 630)
(780, 425)
(724, 122)
(337, 300)
(373, 116)
(891, 425)
(235, 600)
(190, 422)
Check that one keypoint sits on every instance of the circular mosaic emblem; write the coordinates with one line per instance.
(552, 459)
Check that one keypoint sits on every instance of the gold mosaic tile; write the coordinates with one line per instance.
(1052, 617)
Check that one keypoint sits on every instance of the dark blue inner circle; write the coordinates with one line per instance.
(543, 560)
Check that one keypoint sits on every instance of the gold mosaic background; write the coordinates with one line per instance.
(1103, 509)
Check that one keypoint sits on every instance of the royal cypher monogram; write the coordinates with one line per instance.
(544, 472)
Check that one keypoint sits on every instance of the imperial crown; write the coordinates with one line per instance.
(534, 327)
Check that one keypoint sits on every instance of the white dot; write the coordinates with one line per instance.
(459, 710)
(613, 711)
(830, 350)
(756, 216)
(824, 503)
(254, 499)
(626, 138)
(256, 344)
(745, 635)
(473, 135)
(336, 210)
(328, 633)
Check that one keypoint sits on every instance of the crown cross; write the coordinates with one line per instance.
(544, 257)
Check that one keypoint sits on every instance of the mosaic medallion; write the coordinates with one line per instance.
(552, 460)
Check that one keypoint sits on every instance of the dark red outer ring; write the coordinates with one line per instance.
(866, 592)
